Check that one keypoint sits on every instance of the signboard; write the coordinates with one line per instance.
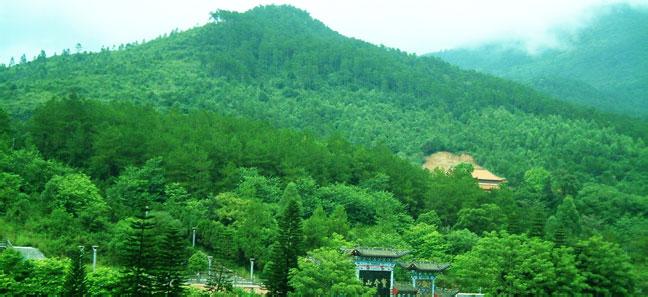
(377, 279)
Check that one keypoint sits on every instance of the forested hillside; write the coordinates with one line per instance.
(279, 139)
(280, 65)
(603, 65)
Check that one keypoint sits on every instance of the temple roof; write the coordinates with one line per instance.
(426, 266)
(446, 161)
(376, 252)
(483, 174)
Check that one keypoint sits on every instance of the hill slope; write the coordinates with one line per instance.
(603, 65)
(277, 64)
(77, 170)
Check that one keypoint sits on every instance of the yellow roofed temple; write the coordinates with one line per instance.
(446, 161)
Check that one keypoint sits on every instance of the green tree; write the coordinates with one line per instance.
(326, 272)
(65, 129)
(338, 221)
(138, 187)
(556, 231)
(460, 241)
(197, 264)
(315, 229)
(427, 242)
(536, 179)
(288, 246)
(255, 231)
(14, 271)
(220, 279)
(10, 191)
(140, 256)
(503, 264)
(431, 218)
(78, 196)
(6, 130)
(105, 281)
(568, 215)
(171, 259)
(565, 226)
(487, 217)
(606, 268)
(46, 279)
(75, 280)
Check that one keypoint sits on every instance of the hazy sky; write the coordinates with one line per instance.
(27, 26)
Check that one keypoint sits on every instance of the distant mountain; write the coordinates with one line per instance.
(604, 65)
(277, 64)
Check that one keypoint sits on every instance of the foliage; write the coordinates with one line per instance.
(197, 263)
(504, 264)
(326, 271)
(140, 257)
(169, 276)
(204, 134)
(606, 268)
(427, 243)
(78, 196)
(487, 217)
(288, 245)
(219, 279)
(104, 281)
(75, 280)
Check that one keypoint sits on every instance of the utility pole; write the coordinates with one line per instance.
(193, 237)
(209, 262)
(94, 258)
(252, 269)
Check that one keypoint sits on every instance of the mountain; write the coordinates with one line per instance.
(230, 135)
(603, 65)
(277, 64)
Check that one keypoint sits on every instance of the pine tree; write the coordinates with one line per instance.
(140, 257)
(569, 217)
(537, 226)
(75, 280)
(551, 199)
(275, 272)
(538, 221)
(169, 274)
(515, 223)
(560, 237)
(287, 247)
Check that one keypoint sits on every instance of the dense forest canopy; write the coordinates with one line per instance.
(603, 65)
(279, 139)
(278, 64)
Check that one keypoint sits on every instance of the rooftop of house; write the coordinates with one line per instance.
(376, 252)
(483, 174)
(446, 161)
(426, 266)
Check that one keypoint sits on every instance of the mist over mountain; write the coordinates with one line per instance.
(603, 65)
